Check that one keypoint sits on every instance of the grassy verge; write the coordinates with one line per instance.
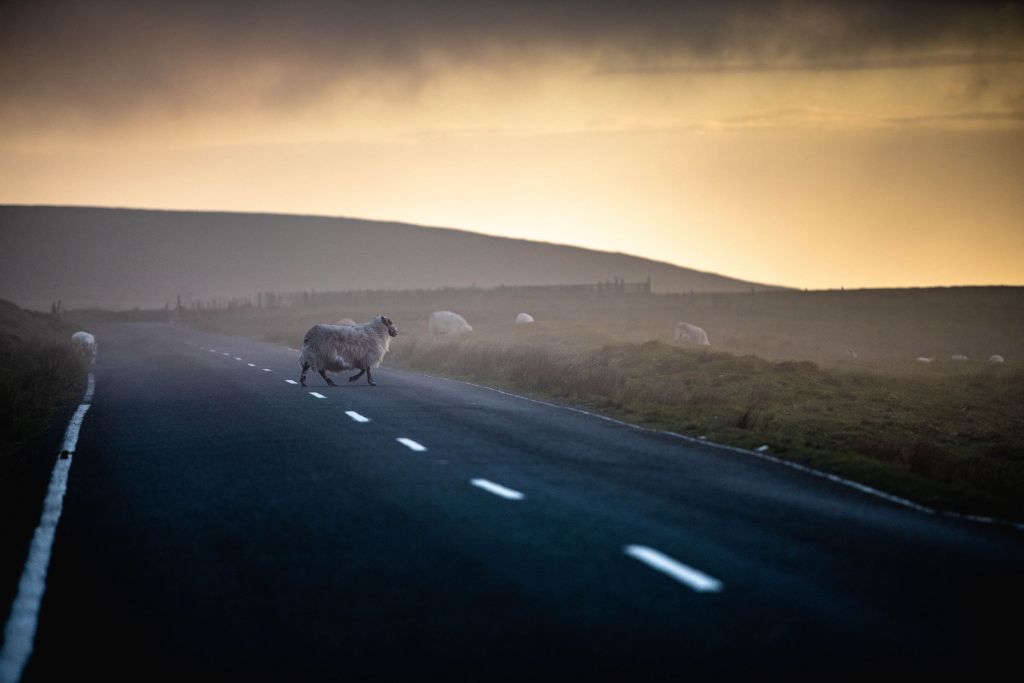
(40, 373)
(946, 435)
(952, 440)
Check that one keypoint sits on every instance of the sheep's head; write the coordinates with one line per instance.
(392, 330)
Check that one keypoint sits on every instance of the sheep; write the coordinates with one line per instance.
(84, 344)
(346, 321)
(924, 359)
(996, 358)
(958, 356)
(446, 322)
(691, 334)
(524, 318)
(346, 347)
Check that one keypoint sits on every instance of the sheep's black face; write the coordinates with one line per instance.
(392, 330)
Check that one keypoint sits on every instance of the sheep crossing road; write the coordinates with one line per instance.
(220, 519)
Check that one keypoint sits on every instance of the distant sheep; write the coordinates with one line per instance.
(84, 344)
(996, 358)
(334, 348)
(691, 334)
(922, 359)
(446, 322)
(346, 321)
(524, 318)
(958, 356)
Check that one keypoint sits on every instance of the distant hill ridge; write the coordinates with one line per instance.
(123, 258)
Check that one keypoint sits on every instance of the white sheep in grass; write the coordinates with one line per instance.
(84, 344)
(346, 321)
(334, 348)
(691, 334)
(446, 322)
(524, 318)
(996, 358)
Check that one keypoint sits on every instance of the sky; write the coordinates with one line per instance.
(817, 145)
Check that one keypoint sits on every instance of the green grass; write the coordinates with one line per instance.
(946, 435)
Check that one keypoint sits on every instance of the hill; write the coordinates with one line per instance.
(123, 258)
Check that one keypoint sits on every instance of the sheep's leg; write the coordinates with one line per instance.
(369, 378)
(302, 377)
(353, 378)
(327, 379)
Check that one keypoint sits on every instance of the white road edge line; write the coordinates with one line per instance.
(291, 381)
(981, 519)
(410, 444)
(20, 631)
(356, 416)
(316, 394)
(497, 489)
(697, 580)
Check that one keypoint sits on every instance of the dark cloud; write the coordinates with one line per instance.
(97, 59)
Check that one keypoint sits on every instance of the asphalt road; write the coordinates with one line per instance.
(222, 521)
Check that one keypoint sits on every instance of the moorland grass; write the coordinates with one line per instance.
(948, 435)
(40, 373)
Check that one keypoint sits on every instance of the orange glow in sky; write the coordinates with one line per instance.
(875, 166)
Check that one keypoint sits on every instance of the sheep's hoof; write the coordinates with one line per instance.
(302, 384)
(331, 382)
(372, 383)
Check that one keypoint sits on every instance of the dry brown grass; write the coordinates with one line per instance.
(40, 373)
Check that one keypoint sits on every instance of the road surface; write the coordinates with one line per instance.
(220, 520)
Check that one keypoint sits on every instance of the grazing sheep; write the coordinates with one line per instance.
(524, 318)
(346, 321)
(446, 322)
(84, 344)
(996, 358)
(336, 348)
(922, 359)
(958, 356)
(691, 334)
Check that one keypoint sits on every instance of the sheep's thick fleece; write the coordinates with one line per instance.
(345, 347)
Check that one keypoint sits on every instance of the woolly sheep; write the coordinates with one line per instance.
(335, 348)
(446, 322)
(996, 358)
(691, 334)
(346, 321)
(958, 356)
(923, 359)
(524, 318)
(84, 344)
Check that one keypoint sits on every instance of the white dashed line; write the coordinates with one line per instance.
(410, 444)
(497, 489)
(212, 350)
(251, 365)
(237, 358)
(315, 394)
(356, 416)
(225, 353)
(267, 370)
(698, 581)
(291, 381)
